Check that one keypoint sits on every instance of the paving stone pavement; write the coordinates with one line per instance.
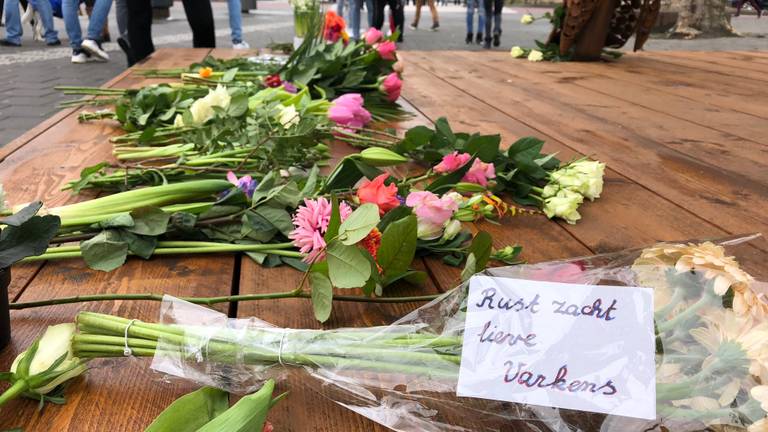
(32, 71)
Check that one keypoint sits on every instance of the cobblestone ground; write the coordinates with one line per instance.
(30, 72)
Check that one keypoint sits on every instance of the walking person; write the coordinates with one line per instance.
(493, 16)
(234, 7)
(754, 3)
(354, 16)
(395, 8)
(471, 5)
(89, 48)
(13, 28)
(432, 11)
(199, 15)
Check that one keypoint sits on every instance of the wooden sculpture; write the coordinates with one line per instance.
(585, 27)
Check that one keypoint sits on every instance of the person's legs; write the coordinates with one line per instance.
(45, 11)
(200, 17)
(378, 13)
(488, 12)
(398, 16)
(354, 18)
(121, 13)
(340, 8)
(13, 30)
(369, 9)
(470, 16)
(417, 15)
(433, 11)
(235, 20)
(69, 9)
(498, 5)
(98, 19)
(480, 16)
(140, 28)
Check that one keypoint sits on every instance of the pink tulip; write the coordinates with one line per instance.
(480, 172)
(347, 111)
(451, 162)
(391, 86)
(387, 50)
(373, 35)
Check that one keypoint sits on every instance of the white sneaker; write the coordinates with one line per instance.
(241, 45)
(94, 48)
(79, 58)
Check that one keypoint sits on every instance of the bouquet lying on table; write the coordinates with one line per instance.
(711, 321)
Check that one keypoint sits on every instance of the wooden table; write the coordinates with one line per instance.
(685, 137)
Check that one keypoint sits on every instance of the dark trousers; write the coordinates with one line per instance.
(199, 15)
(396, 6)
(492, 17)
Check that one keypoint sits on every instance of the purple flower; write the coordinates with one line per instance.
(289, 87)
(244, 183)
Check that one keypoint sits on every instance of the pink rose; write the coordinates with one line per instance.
(567, 272)
(347, 111)
(373, 35)
(432, 212)
(480, 172)
(451, 162)
(387, 50)
(375, 192)
(391, 86)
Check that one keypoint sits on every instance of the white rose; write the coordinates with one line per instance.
(201, 111)
(564, 205)
(428, 231)
(535, 56)
(288, 116)
(219, 97)
(178, 121)
(589, 175)
(527, 19)
(517, 52)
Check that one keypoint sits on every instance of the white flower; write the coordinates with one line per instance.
(564, 205)
(527, 19)
(219, 97)
(202, 109)
(178, 121)
(517, 52)
(452, 228)
(584, 177)
(55, 344)
(535, 56)
(426, 230)
(455, 196)
(288, 116)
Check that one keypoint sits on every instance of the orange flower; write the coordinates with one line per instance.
(334, 27)
(375, 192)
(371, 244)
(205, 72)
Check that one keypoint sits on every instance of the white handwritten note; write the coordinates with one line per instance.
(582, 347)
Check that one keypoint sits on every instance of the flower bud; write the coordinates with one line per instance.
(469, 187)
(465, 215)
(452, 228)
(474, 199)
(378, 156)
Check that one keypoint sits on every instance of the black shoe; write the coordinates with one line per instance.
(497, 39)
(487, 44)
(7, 43)
(435, 26)
(468, 40)
(478, 38)
(129, 56)
(54, 43)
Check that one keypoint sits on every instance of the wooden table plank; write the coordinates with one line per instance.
(734, 70)
(120, 394)
(730, 200)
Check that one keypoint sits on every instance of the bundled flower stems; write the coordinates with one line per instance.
(711, 320)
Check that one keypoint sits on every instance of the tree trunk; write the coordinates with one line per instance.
(701, 18)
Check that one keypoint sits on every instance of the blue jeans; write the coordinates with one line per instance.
(235, 20)
(471, 5)
(354, 15)
(340, 7)
(13, 30)
(95, 23)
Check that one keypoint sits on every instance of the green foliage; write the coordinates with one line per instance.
(347, 265)
(247, 415)
(322, 295)
(357, 226)
(26, 234)
(191, 411)
(398, 247)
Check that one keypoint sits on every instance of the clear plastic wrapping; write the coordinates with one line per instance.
(711, 320)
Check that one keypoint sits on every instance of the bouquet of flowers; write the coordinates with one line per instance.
(710, 320)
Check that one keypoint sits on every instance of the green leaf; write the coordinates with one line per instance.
(322, 295)
(413, 277)
(395, 214)
(149, 221)
(139, 245)
(278, 217)
(415, 138)
(334, 222)
(247, 415)
(257, 227)
(481, 248)
(444, 134)
(229, 75)
(191, 411)
(238, 106)
(347, 266)
(470, 268)
(106, 251)
(529, 146)
(357, 226)
(485, 147)
(30, 238)
(22, 215)
(87, 174)
(398, 247)
(309, 187)
(123, 220)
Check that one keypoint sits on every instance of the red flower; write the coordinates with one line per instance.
(273, 81)
(376, 192)
(268, 427)
(335, 28)
(371, 243)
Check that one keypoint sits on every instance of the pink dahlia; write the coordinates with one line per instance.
(451, 162)
(311, 222)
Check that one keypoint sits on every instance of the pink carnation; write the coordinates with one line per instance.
(373, 35)
(347, 111)
(480, 172)
(391, 86)
(432, 212)
(451, 162)
(387, 50)
(311, 222)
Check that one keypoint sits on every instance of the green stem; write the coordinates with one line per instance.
(13, 392)
(675, 322)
